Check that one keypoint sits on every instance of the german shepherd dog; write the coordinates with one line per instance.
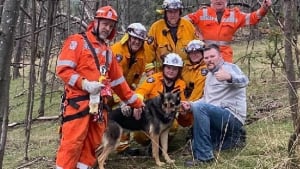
(156, 120)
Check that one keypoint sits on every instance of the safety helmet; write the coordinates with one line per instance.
(172, 4)
(137, 30)
(106, 12)
(149, 66)
(173, 59)
(195, 45)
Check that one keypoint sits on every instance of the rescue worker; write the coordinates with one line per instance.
(170, 34)
(85, 58)
(194, 72)
(217, 23)
(130, 55)
(169, 81)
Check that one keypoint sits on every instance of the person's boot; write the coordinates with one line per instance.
(241, 143)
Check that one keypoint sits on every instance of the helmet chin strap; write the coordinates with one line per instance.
(97, 33)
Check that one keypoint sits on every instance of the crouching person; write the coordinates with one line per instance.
(221, 113)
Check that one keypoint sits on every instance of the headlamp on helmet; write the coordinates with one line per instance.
(173, 59)
(195, 45)
(137, 30)
(172, 4)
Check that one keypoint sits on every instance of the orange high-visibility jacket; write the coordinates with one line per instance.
(163, 44)
(134, 73)
(81, 136)
(76, 62)
(205, 19)
(193, 74)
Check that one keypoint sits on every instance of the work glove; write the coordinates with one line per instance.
(125, 109)
(93, 87)
(94, 103)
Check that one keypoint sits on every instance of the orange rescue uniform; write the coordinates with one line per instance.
(205, 19)
(150, 88)
(81, 136)
(163, 43)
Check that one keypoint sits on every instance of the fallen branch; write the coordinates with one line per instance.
(30, 163)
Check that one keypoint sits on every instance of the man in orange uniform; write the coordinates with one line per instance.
(170, 34)
(130, 55)
(217, 24)
(194, 72)
(83, 60)
(168, 80)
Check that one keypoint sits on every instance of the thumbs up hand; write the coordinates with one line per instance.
(222, 75)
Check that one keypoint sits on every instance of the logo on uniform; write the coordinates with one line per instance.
(204, 71)
(119, 57)
(150, 80)
(73, 45)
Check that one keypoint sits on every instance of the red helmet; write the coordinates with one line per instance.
(107, 12)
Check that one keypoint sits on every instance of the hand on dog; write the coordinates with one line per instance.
(186, 106)
(137, 113)
(125, 109)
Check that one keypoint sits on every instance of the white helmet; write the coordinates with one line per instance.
(195, 45)
(137, 30)
(172, 4)
(173, 59)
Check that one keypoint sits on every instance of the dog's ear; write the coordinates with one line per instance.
(161, 95)
(177, 97)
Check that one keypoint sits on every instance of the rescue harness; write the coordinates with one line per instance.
(73, 101)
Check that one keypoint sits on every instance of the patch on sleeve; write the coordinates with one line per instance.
(73, 45)
(204, 71)
(119, 57)
(150, 80)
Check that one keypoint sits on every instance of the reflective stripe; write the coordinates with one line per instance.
(205, 16)
(73, 79)
(220, 43)
(117, 81)
(109, 54)
(247, 19)
(58, 167)
(97, 50)
(231, 18)
(82, 166)
(68, 63)
(132, 99)
(85, 45)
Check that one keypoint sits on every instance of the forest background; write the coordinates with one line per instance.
(31, 36)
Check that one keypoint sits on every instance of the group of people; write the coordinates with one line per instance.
(190, 54)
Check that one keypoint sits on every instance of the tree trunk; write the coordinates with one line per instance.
(1, 7)
(32, 79)
(289, 62)
(19, 44)
(52, 8)
(7, 29)
(123, 21)
(290, 72)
